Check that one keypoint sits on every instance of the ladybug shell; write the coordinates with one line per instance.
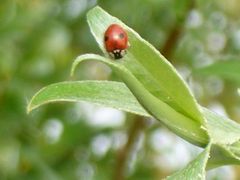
(115, 38)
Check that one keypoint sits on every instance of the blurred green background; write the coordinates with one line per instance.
(39, 40)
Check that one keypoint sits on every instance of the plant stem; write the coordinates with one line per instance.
(125, 153)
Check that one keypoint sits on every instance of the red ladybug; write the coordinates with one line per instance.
(116, 41)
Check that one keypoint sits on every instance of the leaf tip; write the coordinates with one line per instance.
(75, 63)
(29, 108)
(31, 104)
(95, 8)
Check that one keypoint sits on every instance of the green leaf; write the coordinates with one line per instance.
(151, 69)
(177, 122)
(223, 132)
(228, 70)
(225, 135)
(106, 93)
(222, 155)
(194, 170)
(152, 79)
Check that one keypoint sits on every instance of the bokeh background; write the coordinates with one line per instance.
(39, 40)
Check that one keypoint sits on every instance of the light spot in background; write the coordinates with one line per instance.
(218, 108)
(107, 117)
(73, 8)
(161, 140)
(218, 20)
(194, 19)
(97, 71)
(85, 171)
(134, 154)
(202, 60)
(92, 3)
(222, 173)
(100, 145)
(167, 161)
(184, 71)
(74, 114)
(236, 39)
(216, 42)
(195, 46)
(171, 149)
(101, 117)
(42, 67)
(78, 112)
(53, 130)
(119, 139)
(196, 88)
(214, 86)
(57, 40)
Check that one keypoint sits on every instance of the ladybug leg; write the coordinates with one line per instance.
(117, 54)
(111, 54)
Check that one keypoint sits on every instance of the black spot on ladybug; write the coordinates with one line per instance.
(121, 35)
(105, 38)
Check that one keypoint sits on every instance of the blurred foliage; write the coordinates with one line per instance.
(38, 42)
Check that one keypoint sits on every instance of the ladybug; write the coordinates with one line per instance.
(116, 41)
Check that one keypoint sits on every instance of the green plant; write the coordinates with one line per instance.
(151, 87)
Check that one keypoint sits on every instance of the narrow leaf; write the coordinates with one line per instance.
(225, 135)
(116, 95)
(194, 170)
(177, 122)
(106, 93)
(222, 155)
(222, 130)
(153, 81)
